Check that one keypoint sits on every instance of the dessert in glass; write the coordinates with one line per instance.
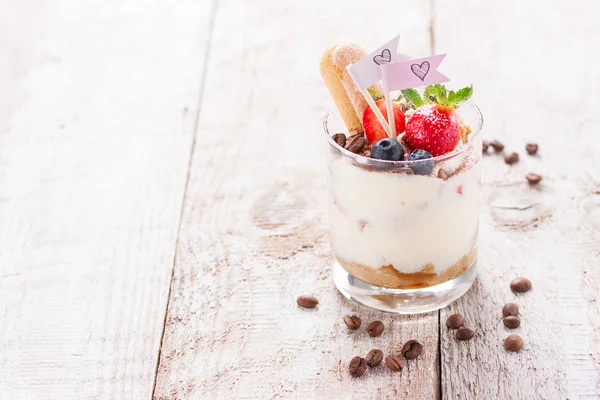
(403, 212)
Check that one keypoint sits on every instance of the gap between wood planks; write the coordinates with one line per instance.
(213, 12)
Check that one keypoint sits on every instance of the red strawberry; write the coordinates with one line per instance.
(373, 129)
(433, 127)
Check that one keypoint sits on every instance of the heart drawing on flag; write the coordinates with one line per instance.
(384, 58)
(420, 70)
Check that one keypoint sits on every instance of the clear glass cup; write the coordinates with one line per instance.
(403, 242)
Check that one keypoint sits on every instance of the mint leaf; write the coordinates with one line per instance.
(451, 97)
(413, 97)
(463, 94)
(439, 93)
(375, 94)
(428, 96)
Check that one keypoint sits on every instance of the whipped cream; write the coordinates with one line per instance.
(380, 218)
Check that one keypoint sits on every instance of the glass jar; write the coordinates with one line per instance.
(401, 241)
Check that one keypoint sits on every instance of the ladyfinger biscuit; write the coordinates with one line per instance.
(348, 99)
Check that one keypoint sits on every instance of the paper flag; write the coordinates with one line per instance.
(412, 73)
(366, 72)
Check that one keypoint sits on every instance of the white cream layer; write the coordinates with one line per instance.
(408, 221)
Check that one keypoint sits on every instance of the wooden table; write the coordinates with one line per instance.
(162, 201)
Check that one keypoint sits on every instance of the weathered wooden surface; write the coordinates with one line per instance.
(536, 79)
(98, 114)
(97, 108)
(253, 234)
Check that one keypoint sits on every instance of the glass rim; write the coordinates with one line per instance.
(475, 132)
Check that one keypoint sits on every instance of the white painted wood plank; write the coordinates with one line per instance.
(535, 71)
(253, 235)
(98, 102)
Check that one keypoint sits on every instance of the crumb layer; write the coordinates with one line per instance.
(389, 277)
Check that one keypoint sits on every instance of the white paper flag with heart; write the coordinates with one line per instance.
(366, 72)
(413, 73)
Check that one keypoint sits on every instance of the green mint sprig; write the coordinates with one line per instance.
(437, 93)
(432, 93)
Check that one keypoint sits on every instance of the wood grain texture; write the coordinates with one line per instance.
(97, 111)
(525, 53)
(253, 233)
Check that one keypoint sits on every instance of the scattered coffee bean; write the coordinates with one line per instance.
(374, 357)
(498, 147)
(442, 174)
(464, 334)
(534, 179)
(531, 148)
(352, 322)
(510, 309)
(455, 321)
(307, 301)
(340, 139)
(411, 349)
(511, 322)
(356, 143)
(484, 146)
(375, 328)
(513, 343)
(357, 367)
(511, 158)
(394, 363)
(520, 285)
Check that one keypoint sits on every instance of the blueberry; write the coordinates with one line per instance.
(425, 165)
(387, 149)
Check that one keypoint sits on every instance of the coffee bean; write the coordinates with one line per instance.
(352, 322)
(356, 143)
(394, 363)
(520, 285)
(498, 147)
(534, 179)
(340, 139)
(411, 349)
(513, 343)
(357, 367)
(374, 357)
(511, 322)
(510, 309)
(464, 334)
(375, 328)
(307, 301)
(531, 148)
(484, 146)
(455, 321)
(511, 158)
